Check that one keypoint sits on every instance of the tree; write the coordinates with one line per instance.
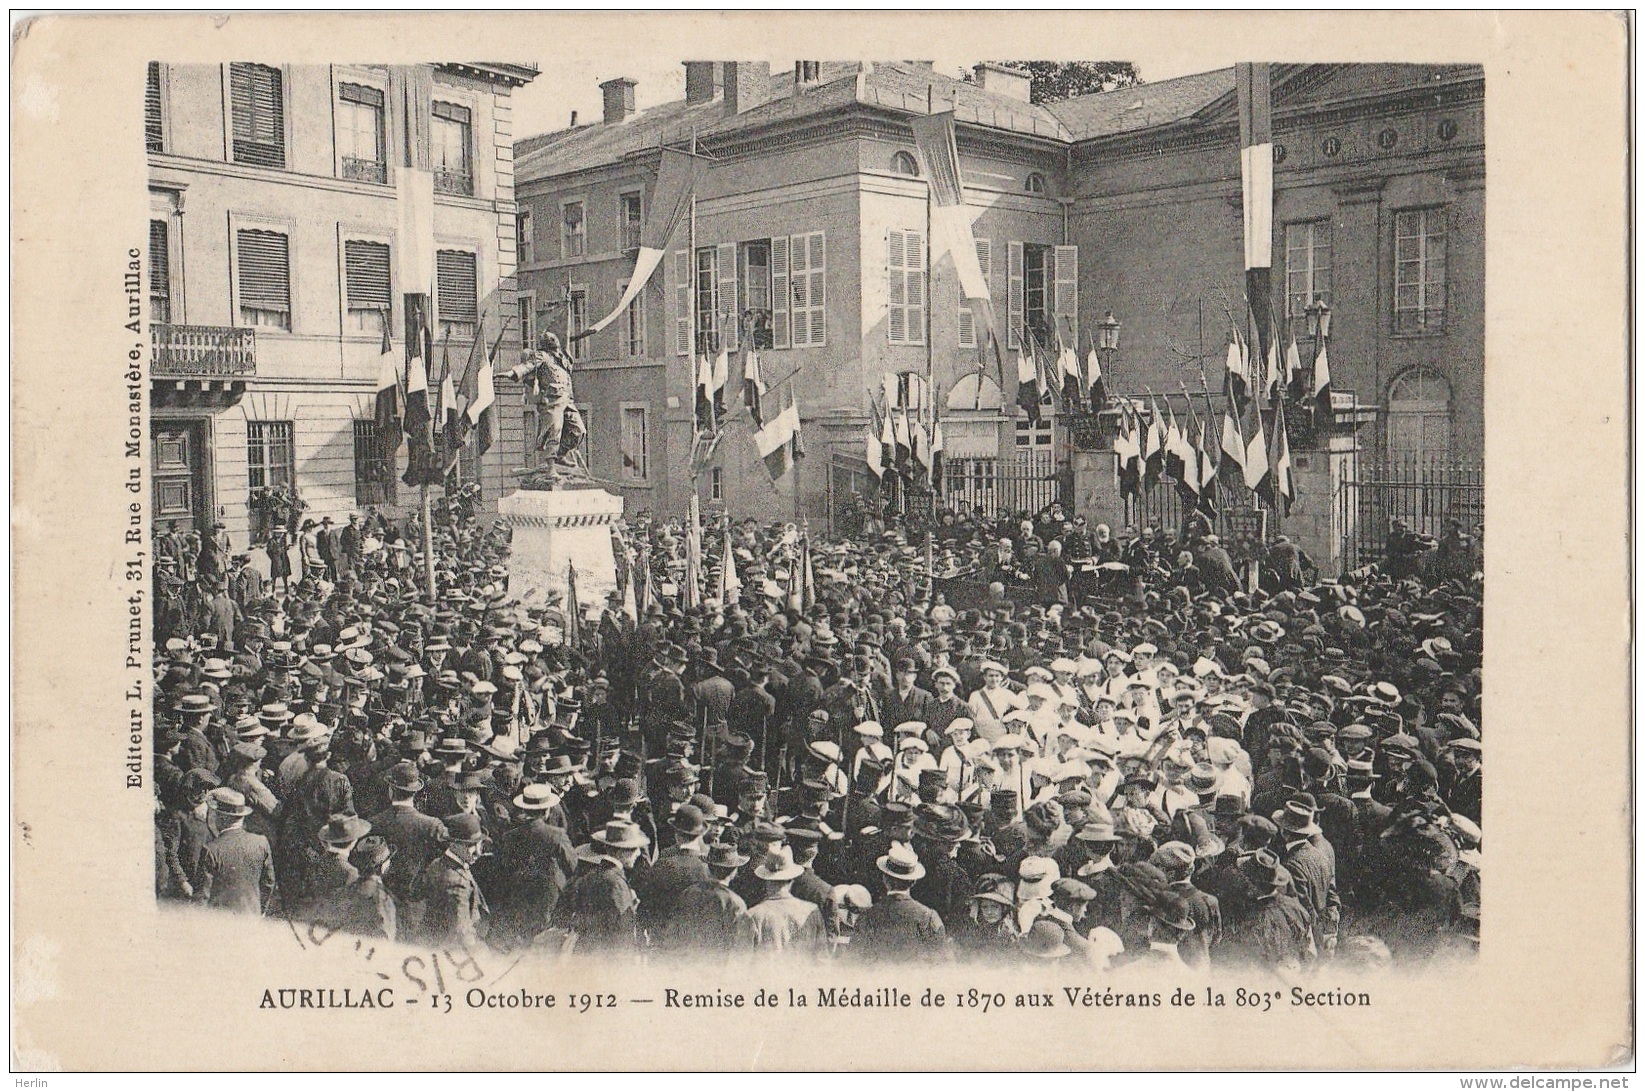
(1054, 81)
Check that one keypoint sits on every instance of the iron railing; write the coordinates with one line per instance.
(454, 180)
(203, 351)
(994, 487)
(1424, 493)
(365, 170)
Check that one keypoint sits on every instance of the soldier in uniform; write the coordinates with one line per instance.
(547, 376)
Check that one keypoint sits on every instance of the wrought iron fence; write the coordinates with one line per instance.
(1423, 493)
(211, 351)
(994, 487)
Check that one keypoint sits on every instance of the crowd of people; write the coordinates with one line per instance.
(1019, 741)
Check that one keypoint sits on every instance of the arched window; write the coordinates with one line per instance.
(903, 163)
(1035, 183)
(1419, 416)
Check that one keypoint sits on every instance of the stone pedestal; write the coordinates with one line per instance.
(1096, 489)
(553, 528)
(1318, 523)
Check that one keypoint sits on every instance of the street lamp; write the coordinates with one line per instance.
(1108, 337)
(1319, 322)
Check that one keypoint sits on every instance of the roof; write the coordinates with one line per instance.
(514, 75)
(1143, 105)
(904, 87)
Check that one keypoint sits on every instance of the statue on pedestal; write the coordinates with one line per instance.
(546, 372)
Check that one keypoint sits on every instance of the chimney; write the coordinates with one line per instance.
(1008, 83)
(747, 85)
(701, 80)
(573, 119)
(619, 100)
(806, 74)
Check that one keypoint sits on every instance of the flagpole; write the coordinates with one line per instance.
(691, 327)
(414, 311)
(930, 356)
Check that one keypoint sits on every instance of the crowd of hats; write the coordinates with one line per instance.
(1256, 711)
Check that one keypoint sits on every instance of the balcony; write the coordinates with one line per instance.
(453, 180)
(203, 352)
(365, 170)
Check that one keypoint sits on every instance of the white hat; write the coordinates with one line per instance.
(910, 727)
(1041, 690)
(1145, 649)
(870, 728)
(1063, 663)
(1087, 666)
(913, 743)
(994, 665)
(1036, 672)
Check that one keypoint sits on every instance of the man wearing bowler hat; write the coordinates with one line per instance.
(678, 867)
(453, 905)
(414, 838)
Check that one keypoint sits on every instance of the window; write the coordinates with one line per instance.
(807, 266)
(905, 315)
(360, 141)
(365, 271)
(258, 103)
(449, 149)
(706, 306)
(576, 318)
(634, 327)
(716, 484)
(1035, 183)
(754, 286)
(159, 271)
(1043, 292)
(968, 334)
(1419, 417)
(263, 267)
(635, 456)
(270, 458)
(458, 293)
(526, 305)
(1419, 271)
(525, 240)
(903, 163)
(373, 466)
(154, 110)
(573, 231)
(1307, 269)
(633, 218)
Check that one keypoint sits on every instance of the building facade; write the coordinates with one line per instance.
(811, 217)
(272, 229)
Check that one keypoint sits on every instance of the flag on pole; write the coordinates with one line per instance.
(873, 453)
(1256, 446)
(1126, 452)
(777, 441)
(888, 445)
(904, 445)
(390, 381)
(1174, 462)
(705, 396)
(1028, 383)
(1282, 489)
(1209, 456)
(939, 157)
(1322, 387)
(730, 583)
(677, 177)
(1254, 94)
(1189, 484)
(936, 458)
(719, 379)
(691, 590)
(753, 387)
(481, 394)
(1291, 381)
(422, 465)
(448, 420)
(1093, 380)
(1068, 362)
(573, 608)
(1153, 445)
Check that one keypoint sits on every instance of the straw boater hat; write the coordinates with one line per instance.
(536, 798)
(779, 866)
(900, 863)
(620, 834)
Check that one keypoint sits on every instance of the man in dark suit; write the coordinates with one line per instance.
(453, 903)
(897, 928)
(904, 701)
(237, 866)
(599, 906)
(678, 867)
(1176, 860)
(709, 918)
(535, 862)
(415, 839)
(1311, 869)
(326, 540)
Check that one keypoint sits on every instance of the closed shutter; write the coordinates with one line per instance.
(366, 267)
(1014, 301)
(807, 270)
(896, 318)
(365, 96)
(725, 260)
(914, 276)
(265, 270)
(968, 320)
(258, 100)
(1066, 279)
(159, 263)
(154, 133)
(779, 293)
(459, 299)
(682, 303)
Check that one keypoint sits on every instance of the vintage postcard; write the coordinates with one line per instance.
(525, 536)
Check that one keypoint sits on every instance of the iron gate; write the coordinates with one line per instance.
(995, 487)
(1425, 493)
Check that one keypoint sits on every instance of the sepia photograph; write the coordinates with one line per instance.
(632, 537)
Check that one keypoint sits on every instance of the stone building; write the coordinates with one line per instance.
(272, 228)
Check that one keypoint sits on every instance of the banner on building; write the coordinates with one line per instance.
(671, 198)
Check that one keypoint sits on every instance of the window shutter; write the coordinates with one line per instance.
(159, 260)
(808, 256)
(914, 258)
(730, 312)
(779, 292)
(258, 100)
(153, 113)
(1066, 277)
(365, 96)
(896, 324)
(682, 303)
(1014, 302)
(458, 279)
(265, 270)
(366, 267)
